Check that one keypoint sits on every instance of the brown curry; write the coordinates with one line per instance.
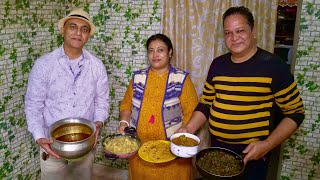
(184, 141)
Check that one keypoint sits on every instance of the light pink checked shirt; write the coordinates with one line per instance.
(54, 94)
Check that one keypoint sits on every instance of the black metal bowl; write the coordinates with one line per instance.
(209, 175)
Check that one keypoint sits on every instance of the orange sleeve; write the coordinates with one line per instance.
(126, 102)
(188, 99)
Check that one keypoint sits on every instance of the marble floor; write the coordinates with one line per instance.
(101, 172)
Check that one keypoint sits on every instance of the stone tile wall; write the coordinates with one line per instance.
(304, 157)
(28, 29)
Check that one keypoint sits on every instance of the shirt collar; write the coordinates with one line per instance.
(62, 54)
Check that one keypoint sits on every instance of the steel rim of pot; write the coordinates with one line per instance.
(57, 124)
(58, 145)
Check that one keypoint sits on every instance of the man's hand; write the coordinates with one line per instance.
(45, 144)
(98, 127)
(183, 129)
(256, 150)
(196, 121)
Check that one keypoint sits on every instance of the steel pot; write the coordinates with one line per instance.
(129, 132)
(72, 137)
(212, 176)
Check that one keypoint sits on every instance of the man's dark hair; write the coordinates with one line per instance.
(241, 10)
(161, 37)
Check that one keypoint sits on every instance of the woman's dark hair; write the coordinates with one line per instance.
(161, 37)
(242, 11)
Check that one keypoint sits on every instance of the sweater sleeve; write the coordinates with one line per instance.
(208, 94)
(287, 95)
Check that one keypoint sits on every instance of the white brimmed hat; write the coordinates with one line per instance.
(78, 14)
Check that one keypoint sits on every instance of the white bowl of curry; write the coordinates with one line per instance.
(184, 145)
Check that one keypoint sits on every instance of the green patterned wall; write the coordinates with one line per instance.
(29, 29)
(301, 157)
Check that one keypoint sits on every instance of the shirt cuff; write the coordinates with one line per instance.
(38, 135)
(101, 122)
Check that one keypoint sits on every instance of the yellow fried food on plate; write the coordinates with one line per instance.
(156, 151)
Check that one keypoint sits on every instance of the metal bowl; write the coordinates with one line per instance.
(130, 133)
(73, 137)
(112, 156)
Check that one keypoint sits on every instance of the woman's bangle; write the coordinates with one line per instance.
(124, 122)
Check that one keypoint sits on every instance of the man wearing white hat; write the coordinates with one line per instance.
(67, 82)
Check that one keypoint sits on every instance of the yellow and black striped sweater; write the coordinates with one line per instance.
(239, 99)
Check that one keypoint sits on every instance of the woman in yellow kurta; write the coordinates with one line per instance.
(152, 91)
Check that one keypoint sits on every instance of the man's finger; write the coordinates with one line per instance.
(248, 148)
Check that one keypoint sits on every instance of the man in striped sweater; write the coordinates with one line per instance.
(243, 89)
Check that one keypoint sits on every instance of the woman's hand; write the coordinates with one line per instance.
(122, 126)
(45, 144)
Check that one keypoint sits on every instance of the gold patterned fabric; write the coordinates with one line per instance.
(288, 2)
(152, 128)
(196, 31)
